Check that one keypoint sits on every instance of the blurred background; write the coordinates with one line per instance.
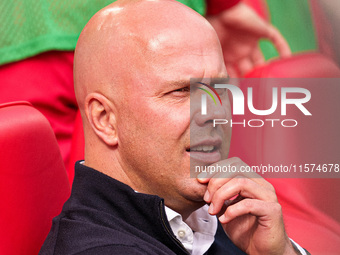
(37, 44)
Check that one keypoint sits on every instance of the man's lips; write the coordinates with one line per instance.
(206, 151)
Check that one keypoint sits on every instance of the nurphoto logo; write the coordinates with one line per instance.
(239, 104)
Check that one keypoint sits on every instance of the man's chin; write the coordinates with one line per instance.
(195, 191)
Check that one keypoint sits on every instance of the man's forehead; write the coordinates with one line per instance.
(154, 41)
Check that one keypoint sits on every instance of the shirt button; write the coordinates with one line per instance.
(181, 233)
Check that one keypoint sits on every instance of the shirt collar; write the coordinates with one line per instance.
(197, 233)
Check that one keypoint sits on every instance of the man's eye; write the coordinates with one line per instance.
(181, 91)
(186, 89)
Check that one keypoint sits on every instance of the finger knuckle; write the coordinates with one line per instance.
(271, 187)
(230, 212)
(218, 196)
(213, 185)
(273, 197)
(277, 208)
(248, 203)
(242, 181)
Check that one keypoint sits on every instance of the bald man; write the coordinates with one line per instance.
(133, 193)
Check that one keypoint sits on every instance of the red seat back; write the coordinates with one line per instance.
(33, 180)
(307, 65)
(310, 206)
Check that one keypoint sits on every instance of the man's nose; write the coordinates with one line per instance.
(209, 111)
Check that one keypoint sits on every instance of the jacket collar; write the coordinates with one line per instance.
(143, 212)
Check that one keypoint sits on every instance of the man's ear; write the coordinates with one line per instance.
(101, 116)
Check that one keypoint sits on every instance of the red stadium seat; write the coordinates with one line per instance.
(33, 180)
(310, 206)
(306, 65)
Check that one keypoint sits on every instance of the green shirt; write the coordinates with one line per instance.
(294, 20)
(30, 27)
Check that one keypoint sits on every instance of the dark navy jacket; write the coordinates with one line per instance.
(104, 216)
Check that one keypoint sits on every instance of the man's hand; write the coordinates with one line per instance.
(239, 30)
(253, 220)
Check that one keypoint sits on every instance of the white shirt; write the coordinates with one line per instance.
(197, 234)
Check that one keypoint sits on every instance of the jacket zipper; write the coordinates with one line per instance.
(167, 229)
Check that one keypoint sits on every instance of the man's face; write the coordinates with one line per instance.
(155, 121)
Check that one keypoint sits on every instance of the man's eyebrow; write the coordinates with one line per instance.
(179, 83)
(210, 81)
(196, 81)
